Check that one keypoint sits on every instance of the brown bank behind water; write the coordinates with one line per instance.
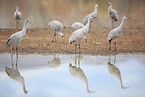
(38, 40)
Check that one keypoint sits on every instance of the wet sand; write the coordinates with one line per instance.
(39, 40)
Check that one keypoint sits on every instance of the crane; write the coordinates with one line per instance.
(17, 16)
(56, 26)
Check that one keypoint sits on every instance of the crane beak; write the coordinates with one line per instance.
(128, 18)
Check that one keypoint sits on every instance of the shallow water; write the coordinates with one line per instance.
(58, 76)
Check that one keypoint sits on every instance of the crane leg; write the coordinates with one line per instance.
(12, 55)
(115, 59)
(110, 45)
(85, 38)
(115, 45)
(17, 55)
(75, 51)
(75, 48)
(53, 39)
(75, 59)
(79, 61)
(79, 47)
(17, 25)
(112, 23)
(54, 36)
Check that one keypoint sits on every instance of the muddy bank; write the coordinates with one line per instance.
(39, 40)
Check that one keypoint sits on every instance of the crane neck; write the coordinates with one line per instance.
(60, 33)
(24, 28)
(95, 9)
(88, 24)
(110, 7)
(17, 10)
(121, 25)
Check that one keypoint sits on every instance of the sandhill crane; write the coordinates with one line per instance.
(16, 38)
(78, 25)
(16, 76)
(113, 14)
(79, 34)
(56, 26)
(94, 15)
(114, 71)
(115, 33)
(17, 16)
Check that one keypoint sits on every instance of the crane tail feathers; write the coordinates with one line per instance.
(116, 19)
(110, 40)
(7, 43)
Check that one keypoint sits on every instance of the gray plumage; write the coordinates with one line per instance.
(17, 16)
(113, 14)
(79, 34)
(115, 33)
(78, 25)
(56, 26)
(16, 38)
(94, 15)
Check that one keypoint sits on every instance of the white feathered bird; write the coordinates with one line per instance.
(56, 26)
(17, 16)
(16, 38)
(79, 34)
(113, 14)
(78, 25)
(115, 33)
(94, 15)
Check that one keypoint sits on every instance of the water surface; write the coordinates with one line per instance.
(67, 75)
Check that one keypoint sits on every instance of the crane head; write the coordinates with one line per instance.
(71, 40)
(27, 21)
(17, 7)
(125, 17)
(96, 5)
(109, 3)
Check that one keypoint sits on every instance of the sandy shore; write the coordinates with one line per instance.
(39, 40)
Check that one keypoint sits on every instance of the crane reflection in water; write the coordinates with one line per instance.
(15, 75)
(55, 62)
(114, 71)
(78, 73)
